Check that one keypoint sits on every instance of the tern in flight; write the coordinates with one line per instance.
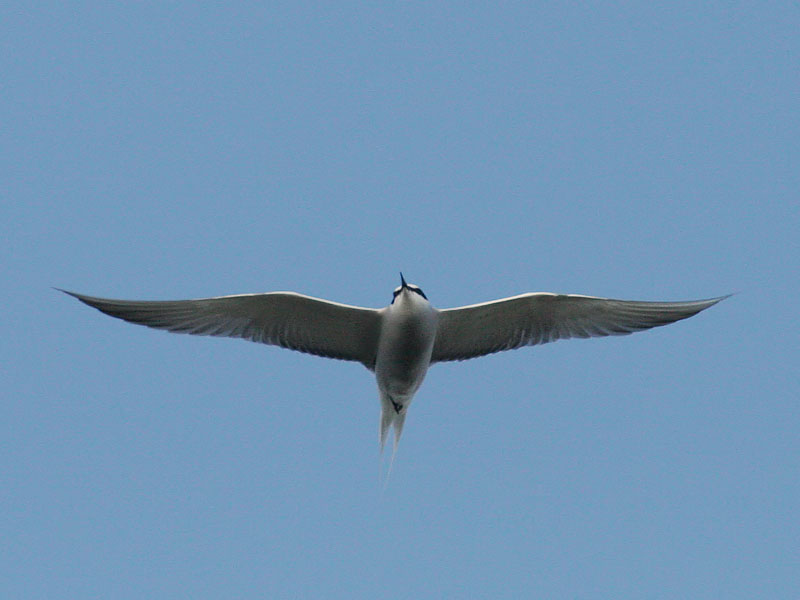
(399, 342)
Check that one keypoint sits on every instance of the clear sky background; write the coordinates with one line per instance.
(171, 150)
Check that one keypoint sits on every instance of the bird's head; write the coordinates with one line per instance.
(406, 288)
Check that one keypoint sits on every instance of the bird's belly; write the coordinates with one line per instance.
(404, 354)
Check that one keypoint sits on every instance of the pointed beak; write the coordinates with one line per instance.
(403, 281)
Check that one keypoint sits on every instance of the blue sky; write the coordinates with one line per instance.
(162, 151)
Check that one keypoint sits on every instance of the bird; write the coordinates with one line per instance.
(399, 342)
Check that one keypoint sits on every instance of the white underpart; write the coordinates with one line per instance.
(408, 332)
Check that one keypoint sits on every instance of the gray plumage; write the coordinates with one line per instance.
(399, 342)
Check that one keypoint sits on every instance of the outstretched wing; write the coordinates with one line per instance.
(283, 319)
(530, 319)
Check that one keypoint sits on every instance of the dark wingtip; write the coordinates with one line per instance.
(725, 297)
(77, 296)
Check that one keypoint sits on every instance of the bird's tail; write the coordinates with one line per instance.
(387, 417)
(391, 418)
